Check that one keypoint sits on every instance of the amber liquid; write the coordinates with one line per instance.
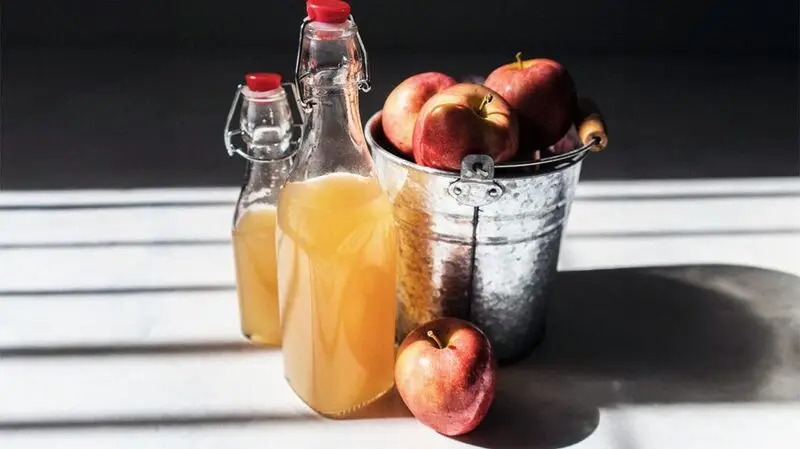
(337, 255)
(256, 275)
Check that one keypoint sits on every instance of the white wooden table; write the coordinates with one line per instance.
(119, 329)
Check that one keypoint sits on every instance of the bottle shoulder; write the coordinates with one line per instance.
(326, 153)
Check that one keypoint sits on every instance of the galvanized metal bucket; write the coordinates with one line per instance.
(480, 245)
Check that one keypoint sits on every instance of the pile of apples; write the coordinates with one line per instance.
(522, 111)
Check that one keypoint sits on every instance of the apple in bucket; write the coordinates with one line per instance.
(403, 104)
(542, 93)
(464, 119)
(445, 373)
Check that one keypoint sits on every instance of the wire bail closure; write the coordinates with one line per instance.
(296, 128)
(364, 84)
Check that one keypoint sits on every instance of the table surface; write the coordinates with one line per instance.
(675, 324)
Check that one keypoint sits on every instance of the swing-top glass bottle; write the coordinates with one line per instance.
(335, 232)
(268, 134)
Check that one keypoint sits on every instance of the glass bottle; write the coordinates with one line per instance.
(335, 234)
(266, 129)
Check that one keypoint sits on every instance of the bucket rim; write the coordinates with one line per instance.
(568, 159)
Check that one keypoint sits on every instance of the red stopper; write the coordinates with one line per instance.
(328, 11)
(263, 82)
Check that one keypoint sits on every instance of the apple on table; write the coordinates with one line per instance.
(445, 373)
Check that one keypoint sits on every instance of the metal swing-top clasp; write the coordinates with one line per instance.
(264, 90)
(364, 83)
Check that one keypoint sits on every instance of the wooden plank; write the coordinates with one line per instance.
(58, 271)
(253, 435)
(119, 197)
(586, 189)
(90, 323)
(720, 215)
(647, 189)
(194, 400)
(115, 226)
(145, 385)
(736, 426)
(666, 427)
(211, 224)
(776, 252)
(117, 269)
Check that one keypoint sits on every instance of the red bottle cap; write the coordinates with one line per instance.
(263, 82)
(328, 11)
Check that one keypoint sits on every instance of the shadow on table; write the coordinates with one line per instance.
(133, 421)
(155, 349)
(646, 335)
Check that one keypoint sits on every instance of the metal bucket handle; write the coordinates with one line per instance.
(569, 157)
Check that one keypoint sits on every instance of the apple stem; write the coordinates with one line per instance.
(486, 100)
(519, 59)
(432, 336)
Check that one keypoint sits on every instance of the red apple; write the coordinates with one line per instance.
(404, 103)
(542, 92)
(464, 119)
(569, 142)
(445, 373)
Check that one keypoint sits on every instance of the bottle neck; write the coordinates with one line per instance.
(335, 113)
(275, 161)
(263, 181)
(329, 70)
(329, 58)
(266, 124)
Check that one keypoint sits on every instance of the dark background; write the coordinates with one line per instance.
(106, 93)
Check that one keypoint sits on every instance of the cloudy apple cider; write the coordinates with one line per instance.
(335, 235)
(336, 238)
(257, 275)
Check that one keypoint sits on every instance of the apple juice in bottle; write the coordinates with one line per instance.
(335, 235)
(265, 125)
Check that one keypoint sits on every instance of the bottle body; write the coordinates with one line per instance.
(336, 243)
(256, 275)
(336, 247)
(265, 122)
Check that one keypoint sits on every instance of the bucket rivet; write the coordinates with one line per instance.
(493, 192)
(457, 190)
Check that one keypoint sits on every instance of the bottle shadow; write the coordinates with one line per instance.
(690, 334)
(390, 405)
(150, 421)
(116, 350)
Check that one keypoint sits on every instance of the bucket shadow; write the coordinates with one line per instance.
(534, 420)
(665, 335)
(661, 335)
